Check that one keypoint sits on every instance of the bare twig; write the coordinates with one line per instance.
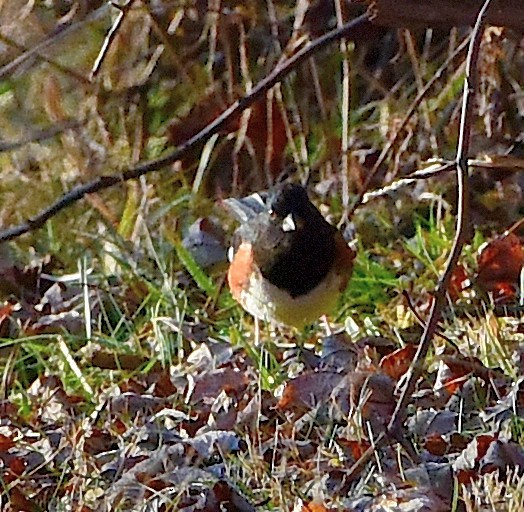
(446, 13)
(394, 429)
(103, 182)
(38, 49)
(40, 134)
(438, 167)
(411, 110)
(431, 172)
(420, 320)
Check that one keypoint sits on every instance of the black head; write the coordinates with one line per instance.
(289, 198)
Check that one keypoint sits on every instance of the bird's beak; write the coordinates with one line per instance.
(288, 224)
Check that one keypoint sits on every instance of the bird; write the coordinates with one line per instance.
(288, 264)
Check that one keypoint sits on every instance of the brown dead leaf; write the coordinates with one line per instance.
(223, 497)
(499, 267)
(5, 319)
(430, 422)
(339, 353)
(460, 365)
(210, 385)
(459, 282)
(8, 410)
(474, 451)
(397, 363)
(309, 390)
(354, 449)
(315, 507)
(113, 361)
(71, 322)
(163, 386)
(99, 441)
(373, 394)
(433, 482)
(266, 131)
(502, 454)
(20, 503)
(26, 283)
(266, 139)
(488, 453)
(5, 443)
(382, 346)
(435, 444)
(203, 112)
(17, 466)
(455, 370)
(133, 404)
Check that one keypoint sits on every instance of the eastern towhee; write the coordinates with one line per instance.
(288, 264)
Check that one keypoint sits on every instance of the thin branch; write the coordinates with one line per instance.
(438, 167)
(409, 114)
(420, 320)
(443, 14)
(422, 174)
(46, 43)
(103, 182)
(41, 134)
(395, 427)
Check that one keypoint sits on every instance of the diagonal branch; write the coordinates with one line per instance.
(103, 182)
(395, 427)
(405, 121)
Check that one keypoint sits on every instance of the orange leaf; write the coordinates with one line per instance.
(356, 448)
(454, 385)
(19, 503)
(315, 507)
(435, 444)
(459, 281)
(5, 443)
(309, 389)
(500, 264)
(466, 476)
(17, 465)
(397, 363)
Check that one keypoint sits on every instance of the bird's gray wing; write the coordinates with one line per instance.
(246, 208)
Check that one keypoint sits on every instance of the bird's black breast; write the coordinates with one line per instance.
(296, 260)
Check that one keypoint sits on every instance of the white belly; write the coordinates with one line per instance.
(267, 302)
